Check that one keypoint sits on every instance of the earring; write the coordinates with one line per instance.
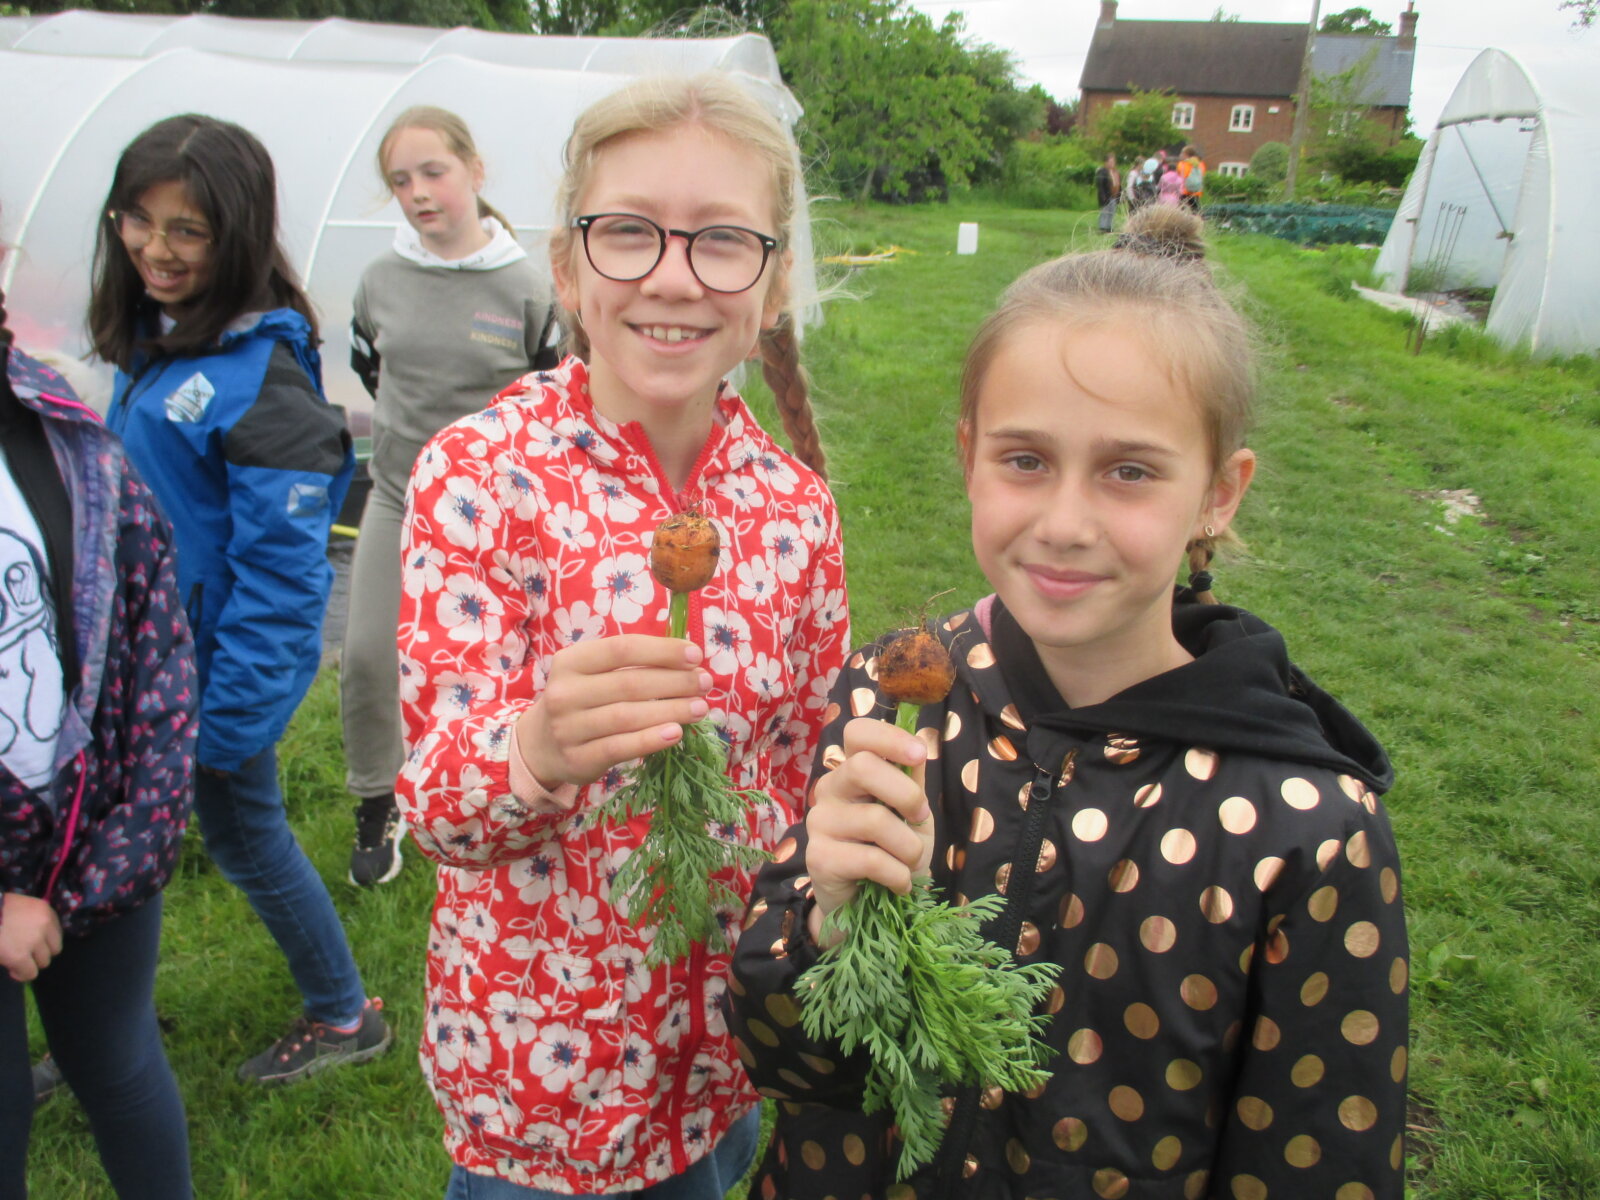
(1210, 531)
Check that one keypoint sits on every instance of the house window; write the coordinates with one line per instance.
(1121, 103)
(1342, 123)
(1183, 116)
(1235, 169)
(1243, 119)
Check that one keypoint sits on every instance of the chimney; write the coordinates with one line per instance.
(1408, 26)
(1108, 14)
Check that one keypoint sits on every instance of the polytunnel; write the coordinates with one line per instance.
(1502, 197)
(76, 88)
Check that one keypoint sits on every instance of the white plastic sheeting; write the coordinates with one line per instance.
(68, 116)
(1503, 196)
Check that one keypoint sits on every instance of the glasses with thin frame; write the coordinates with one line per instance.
(185, 241)
(625, 247)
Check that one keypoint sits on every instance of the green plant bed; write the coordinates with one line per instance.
(1308, 224)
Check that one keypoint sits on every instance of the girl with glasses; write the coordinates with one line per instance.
(219, 400)
(450, 315)
(535, 675)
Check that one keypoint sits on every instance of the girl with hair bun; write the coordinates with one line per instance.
(454, 312)
(536, 675)
(1173, 812)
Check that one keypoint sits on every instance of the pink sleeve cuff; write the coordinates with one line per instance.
(533, 795)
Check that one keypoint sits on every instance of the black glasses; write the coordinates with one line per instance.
(625, 246)
(188, 242)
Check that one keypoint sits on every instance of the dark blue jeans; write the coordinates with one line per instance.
(710, 1178)
(95, 1000)
(247, 834)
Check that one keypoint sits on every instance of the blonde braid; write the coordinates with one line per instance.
(1201, 551)
(780, 366)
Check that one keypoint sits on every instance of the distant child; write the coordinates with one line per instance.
(1107, 186)
(219, 399)
(1193, 169)
(444, 320)
(536, 674)
(97, 734)
(1173, 812)
(1169, 187)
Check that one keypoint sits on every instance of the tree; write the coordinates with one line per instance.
(1270, 162)
(508, 15)
(1359, 20)
(1587, 12)
(1228, 17)
(1136, 128)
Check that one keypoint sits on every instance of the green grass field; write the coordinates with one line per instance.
(1471, 647)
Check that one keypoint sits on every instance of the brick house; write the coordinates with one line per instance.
(1233, 82)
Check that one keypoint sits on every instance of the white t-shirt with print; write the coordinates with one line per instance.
(31, 693)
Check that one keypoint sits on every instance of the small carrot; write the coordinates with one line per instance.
(684, 552)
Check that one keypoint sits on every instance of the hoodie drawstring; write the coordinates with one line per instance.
(72, 825)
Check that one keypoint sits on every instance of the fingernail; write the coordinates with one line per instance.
(671, 733)
(923, 817)
(692, 654)
(699, 708)
(706, 681)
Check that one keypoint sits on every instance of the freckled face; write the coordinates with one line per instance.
(1089, 474)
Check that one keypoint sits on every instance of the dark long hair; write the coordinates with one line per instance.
(228, 176)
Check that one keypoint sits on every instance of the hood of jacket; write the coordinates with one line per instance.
(502, 249)
(1241, 693)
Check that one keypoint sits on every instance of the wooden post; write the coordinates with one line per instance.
(1302, 107)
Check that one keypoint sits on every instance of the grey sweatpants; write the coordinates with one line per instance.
(369, 668)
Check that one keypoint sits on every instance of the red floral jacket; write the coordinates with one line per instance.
(558, 1058)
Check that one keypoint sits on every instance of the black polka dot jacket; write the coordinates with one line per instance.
(1206, 857)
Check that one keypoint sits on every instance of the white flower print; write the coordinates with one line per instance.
(828, 605)
(485, 1113)
(609, 498)
(734, 730)
(455, 838)
(410, 679)
(473, 1039)
(813, 523)
(506, 655)
(454, 695)
(478, 923)
(580, 913)
(779, 476)
(492, 741)
(756, 580)
(584, 439)
(423, 571)
(786, 549)
(673, 1025)
(430, 465)
(569, 526)
(742, 490)
(473, 788)
(468, 610)
(623, 586)
(467, 514)
(496, 422)
(519, 491)
(514, 1019)
(638, 1061)
(597, 1089)
(542, 441)
(728, 640)
(569, 972)
(559, 1057)
(529, 575)
(444, 1033)
(790, 740)
(765, 676)
(536, 876)
(577, 623)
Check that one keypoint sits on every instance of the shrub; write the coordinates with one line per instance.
(1240, 189)
(1051, 173)
(1270, 162)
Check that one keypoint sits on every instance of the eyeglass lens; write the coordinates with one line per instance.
(623, 247)
(137, 231)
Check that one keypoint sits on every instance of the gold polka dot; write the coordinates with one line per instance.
(955, 857)
(1126, 1103)
(1071, 911)
(764, 1032)
(1307, 1071)
(1047, 856)
(785, 849)
(1158, 934)
(952, 725)
(821, 1066)
(1315, 989)
(1389, 884)
(1017, 1157)
(1084, 1047)
(969, 1168)
(833, 757)
(1141, 1021)
(1358, 1113)
(1057, 1000)
(1354, 1191)
(746, 1056)
(1198, 992)
(1002, 878)
(1360, 1028)
(1100, 961)
(1028, 939)
(1396, 1151)
(992, 1098)
(1246, 957)
(811, 1154)
(1201, 764)
(1277, 947)
(1351, 786)
(772, 1093)
(1122, 749)
(862, 701)
(1302, 1151)
(902, 1191)
(1361, 939)
(1266, 1034)
(969, 776)
(1237, 815)
(1089, 825)
(1248, 1187)
(980, 657)
(1070, 1134)
(1183, 1075)
(782, 1009)
(931, 742)
(1002, 749)
(1327, 852)
(1216, 905)
(1194, 1186)
(1299, 793)
(1177, 846)
(1166, 1154)
(1255, 1112)
(1397, 1064)
(1009, 716)
(982, 825)
(1124, 877)
(1110, 1183)
(1323, 904)
(1399, 972)
(1267, 872)
(1358, 852)
(1148, 796)
(829, 713)
(757, 911)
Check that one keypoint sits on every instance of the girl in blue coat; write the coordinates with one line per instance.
(219, 399)
(97, 708)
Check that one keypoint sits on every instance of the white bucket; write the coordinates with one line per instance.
(967, 238)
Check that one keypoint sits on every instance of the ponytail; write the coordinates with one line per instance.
(485, 209)
(1201, 551)
(780, 366)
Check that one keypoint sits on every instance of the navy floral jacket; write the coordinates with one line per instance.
(102, 838)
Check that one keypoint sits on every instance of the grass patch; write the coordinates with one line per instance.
(1471, 647)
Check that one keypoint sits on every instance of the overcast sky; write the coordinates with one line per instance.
(1051, 37)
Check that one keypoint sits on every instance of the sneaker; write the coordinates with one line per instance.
(375, 858)
(311, 1046)
(47, 1080)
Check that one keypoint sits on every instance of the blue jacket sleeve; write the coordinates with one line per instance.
(289, 464)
